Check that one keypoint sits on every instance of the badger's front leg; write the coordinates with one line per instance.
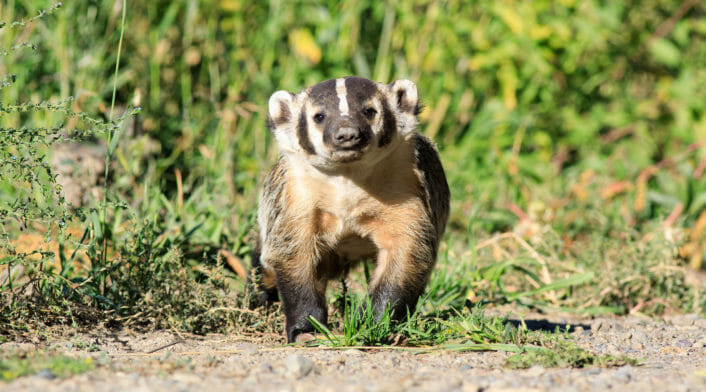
(404, 263)
(302, 293)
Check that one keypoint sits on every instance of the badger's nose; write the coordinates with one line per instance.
(346, 137)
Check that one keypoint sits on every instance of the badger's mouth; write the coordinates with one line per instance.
(346, 155)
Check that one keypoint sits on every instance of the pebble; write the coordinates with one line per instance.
(623, 374)
(535, 371)
(265, 367)
(248, 348)
(638, 336)
(297, 366)
(699, 343)
(684, 320)
(684, 343)
(45, 374)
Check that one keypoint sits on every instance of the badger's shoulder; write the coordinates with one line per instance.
(271, 204)
(435, 189)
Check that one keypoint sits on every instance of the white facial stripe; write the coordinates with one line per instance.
(342, 96)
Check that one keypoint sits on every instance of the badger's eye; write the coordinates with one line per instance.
(370, 112)
(319, 118)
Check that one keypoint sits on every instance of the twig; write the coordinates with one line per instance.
(667, 26)
(234, 263)
(673, 216)
(165, 346)
(700, 169)
(180, 191)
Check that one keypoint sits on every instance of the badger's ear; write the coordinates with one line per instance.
(404, 95)
(280, 108)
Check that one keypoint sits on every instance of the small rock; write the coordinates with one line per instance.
(638, 336)
(45, 374)
(623, 375)
(637, 346)
(597, 325)
(612, 349)
(535, 371)
(297, 366)
(699, 343)
(684, 343)
(248, 348)
(265, 367)
(684, 320)
(548, 381)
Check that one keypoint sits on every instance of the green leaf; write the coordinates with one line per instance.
(97, 228)
(556, 285)
(665, 52)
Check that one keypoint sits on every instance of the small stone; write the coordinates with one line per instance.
(684, 343)
(264, 367)
(535, 371)
(637, 346)
(297, 366)
(637, 336)
(623, 374)
(548, 381)
(597, 325)
(45, 374)
(248, 348)
(684, 320)
(699, 343)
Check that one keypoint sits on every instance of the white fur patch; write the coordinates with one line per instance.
(342, 96)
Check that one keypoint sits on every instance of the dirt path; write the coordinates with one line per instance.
(672, 351)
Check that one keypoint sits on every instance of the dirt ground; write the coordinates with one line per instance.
(672, 352)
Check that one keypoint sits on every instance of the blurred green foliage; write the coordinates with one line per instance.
(575, 79)
(566, 122)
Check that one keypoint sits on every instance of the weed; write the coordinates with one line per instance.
(359, 324)
(469, 330)
(562, 353)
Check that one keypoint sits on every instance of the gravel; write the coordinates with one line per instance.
(671, 351)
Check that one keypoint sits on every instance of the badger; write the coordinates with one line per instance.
(354, 181)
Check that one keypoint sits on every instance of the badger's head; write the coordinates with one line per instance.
(343, 121)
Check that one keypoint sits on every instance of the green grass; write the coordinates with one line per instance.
(572, 133)
(466, 330)
(19, 364)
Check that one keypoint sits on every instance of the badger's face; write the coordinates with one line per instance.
(342, 121)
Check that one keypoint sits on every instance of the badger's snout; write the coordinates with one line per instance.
(347, 137)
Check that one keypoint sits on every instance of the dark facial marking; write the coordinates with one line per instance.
(324, 94)
(389, 125)
(303, 135)
(359, 91)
